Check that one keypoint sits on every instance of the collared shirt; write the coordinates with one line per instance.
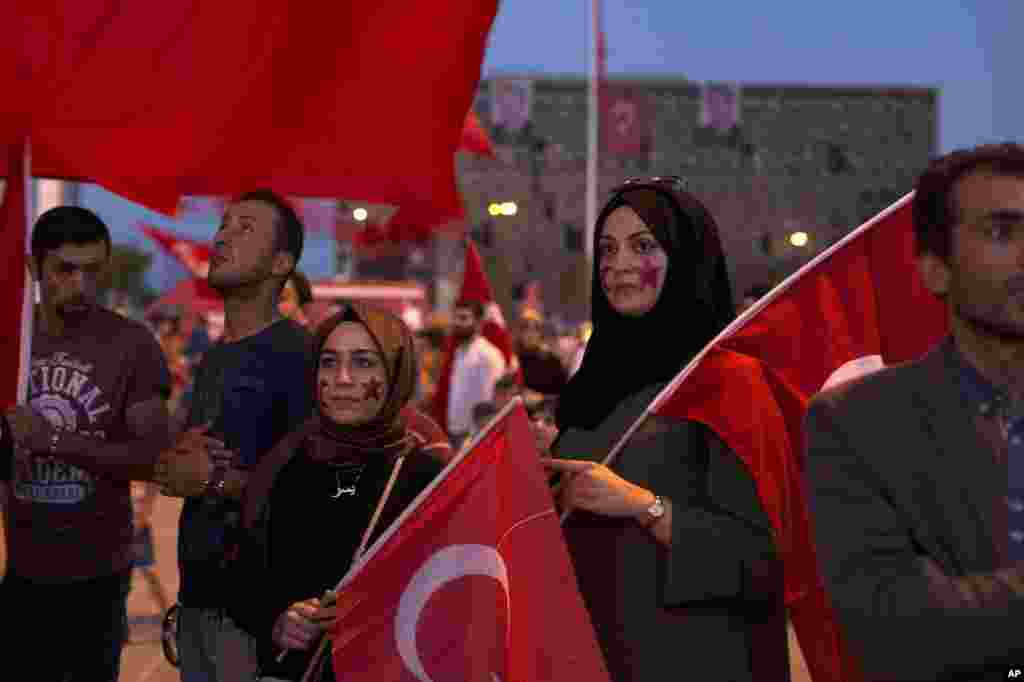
(476, 367)
(989, 402)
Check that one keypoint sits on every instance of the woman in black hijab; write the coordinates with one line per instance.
(673, 551)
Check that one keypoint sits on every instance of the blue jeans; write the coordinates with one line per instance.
(64, 632)
(212, 648)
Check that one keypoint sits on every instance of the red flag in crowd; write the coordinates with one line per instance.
(194, 255)
(298, 97)
(857, 306)
(475, 288)
(454, 590)
(475, 138)
(15, 282)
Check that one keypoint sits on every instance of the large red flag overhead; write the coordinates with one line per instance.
(858, 306)
(454, 591)
(475, 288)
(352, 100)
(15, 283)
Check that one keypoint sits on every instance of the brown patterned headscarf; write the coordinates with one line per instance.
(385, 434)
(396, 430)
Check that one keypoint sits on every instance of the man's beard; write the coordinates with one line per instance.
(227, 283)
(993, 321)
(463, 334)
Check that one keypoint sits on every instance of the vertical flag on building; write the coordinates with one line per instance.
(858, 306)
(454, 590)
(15, 281)
(511, 103)
(626, 119)
(626, 114)
(719, 106)
(475, 288)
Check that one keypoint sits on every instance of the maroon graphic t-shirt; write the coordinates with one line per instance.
(63, 522)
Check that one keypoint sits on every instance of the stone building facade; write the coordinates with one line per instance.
(816, 159)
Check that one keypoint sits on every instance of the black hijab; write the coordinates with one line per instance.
(626, 354)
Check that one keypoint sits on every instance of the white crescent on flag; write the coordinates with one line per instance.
(445, 565)
(857, 367)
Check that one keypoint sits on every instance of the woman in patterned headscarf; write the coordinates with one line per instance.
(308, 508)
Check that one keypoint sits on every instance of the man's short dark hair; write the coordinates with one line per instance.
(935, 208)
(67, 225)
(303, 289)
(290, 234)
(476, 306)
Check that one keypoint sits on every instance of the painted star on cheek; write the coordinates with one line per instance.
(371, 389)
(650, 275)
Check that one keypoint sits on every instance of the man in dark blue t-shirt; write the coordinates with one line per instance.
(251, 388)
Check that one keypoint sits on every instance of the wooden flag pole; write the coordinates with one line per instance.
(29, 291)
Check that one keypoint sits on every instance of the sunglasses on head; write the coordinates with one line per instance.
(674, 181)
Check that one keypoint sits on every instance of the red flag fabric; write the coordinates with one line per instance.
(858, 306)
(193, 295)
(195, 256)
(15, 284)
(475, 138)
(475, 288)
(455, 591)
(626, 118)
(298, 97)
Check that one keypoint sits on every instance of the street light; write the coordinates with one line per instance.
(799, 239)
(508, 208)
(360, 214)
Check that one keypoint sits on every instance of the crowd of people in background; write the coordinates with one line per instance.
(293, 418)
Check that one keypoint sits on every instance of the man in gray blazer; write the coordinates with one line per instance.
(916, 472)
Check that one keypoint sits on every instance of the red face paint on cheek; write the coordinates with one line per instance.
(650, 275)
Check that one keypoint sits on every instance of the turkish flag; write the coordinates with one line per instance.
(475, 288)
(858, 306)
(625, 119)
(155, 101)
(195, 256)
(15, 281)
(454, 589)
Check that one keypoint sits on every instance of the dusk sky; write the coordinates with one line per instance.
(969, 50)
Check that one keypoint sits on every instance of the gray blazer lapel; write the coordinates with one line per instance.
(964, 476)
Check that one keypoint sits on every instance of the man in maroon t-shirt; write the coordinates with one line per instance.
(96, 420)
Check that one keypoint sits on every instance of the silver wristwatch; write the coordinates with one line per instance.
(654, 512)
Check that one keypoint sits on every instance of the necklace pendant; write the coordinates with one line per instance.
(347, 491)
